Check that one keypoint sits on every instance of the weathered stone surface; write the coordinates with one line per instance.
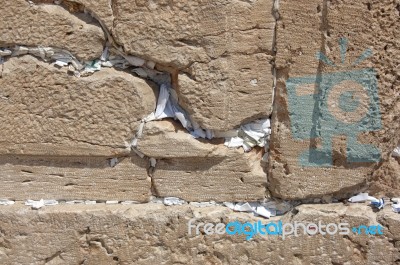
(49, 25)
(168, 139)
(235, 177)
(73, 178)
(303, 30)
(197, 170)
(155, 234)
(223, 48)
(101, 9)
(377, 28)
(227, 92)
(48, 112)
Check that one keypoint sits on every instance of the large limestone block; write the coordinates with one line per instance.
(223, 47)
(311, 111)
(375, 25)
(197, 170)
(49, 25)
(73, 178)
(48, 112)
(155, 234)
(227, 92)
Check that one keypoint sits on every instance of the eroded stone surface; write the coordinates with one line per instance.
(44, 105)
(152, 234)
(303, 30)
(49, 25)
(73, 178)
(198, 170)
(224, 48)
(168, 139)
(101, 9)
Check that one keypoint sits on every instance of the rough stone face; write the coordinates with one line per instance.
(303, 30)
(155, 234)
(168, 139)
(223, 48)
(46, 108)
(73, 178)
(199, 171)
(101, 9)
(227, 92)
(49, 25)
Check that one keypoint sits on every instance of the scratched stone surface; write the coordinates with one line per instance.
(223, 49)
(323, 142)
(49, 25)
(44, 106)
(73, 178)
(156, 234)
(199, 170)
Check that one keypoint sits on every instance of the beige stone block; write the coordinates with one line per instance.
(168, 139)
(101, 9)
(73, 178)
(199, 170)
(222, 47)
(47, 112)
(50, 25)
(229, 91)
(155, 234)
(303, 30)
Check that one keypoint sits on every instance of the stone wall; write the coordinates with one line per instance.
(66, 132)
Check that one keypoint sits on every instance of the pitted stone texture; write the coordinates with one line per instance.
(168, 139)
(49, 25)
(303, 30)
(155, 234)
(231, 176)
(45, 105)
(377, 28)
(198, 170)
(223, 47)
(242, 93)
(73, 178)
(101, 9)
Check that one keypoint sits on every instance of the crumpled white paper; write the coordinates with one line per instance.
(6, 202)
(113, 162)
(39, 204)
(129, 202)
(264, 209)
(252, 134)
(252, 207)
(173, 201)
(396, 152)
(5, 52)
(396, 207)
(203, 204)
(168, 107)
(362, 197)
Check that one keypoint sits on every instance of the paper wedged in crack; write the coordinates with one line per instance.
(45, 106)
(50, 25)
(72, 178)
(220, 46)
